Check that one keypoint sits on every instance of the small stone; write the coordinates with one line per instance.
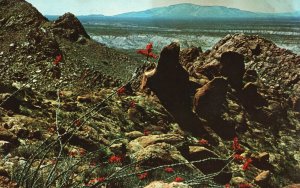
(10, 113)
(3, 172)
(22, 133)
(5, 146)
(296, 104)
(84, 99)
(262, 178)
(118, 149)
(264, 156)
(8, 136)
(238, 180)
(261, 160)
(134, 134)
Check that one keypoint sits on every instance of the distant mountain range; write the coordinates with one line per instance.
(190, 11)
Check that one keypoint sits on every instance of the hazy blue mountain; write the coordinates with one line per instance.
(192, 11)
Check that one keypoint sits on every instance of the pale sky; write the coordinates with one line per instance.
(112, 7)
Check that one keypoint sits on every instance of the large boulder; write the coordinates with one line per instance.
(159, 154)
(232, 66)
(211, 163)
(209, 99)
(170, 82)
(144, 141)
(251, 97)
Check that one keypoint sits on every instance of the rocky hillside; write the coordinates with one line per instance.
(228, 117)
(30, 43)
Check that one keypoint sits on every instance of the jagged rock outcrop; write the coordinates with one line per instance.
(69, 27)
(170, 82)
(278, 69)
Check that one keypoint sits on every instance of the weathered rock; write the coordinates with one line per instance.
(261, 161)
(23, 133)
(6, 146)
(262, 178)
(134, 134)
(238, 180)
(10, 102)
(296, 104)
(189, 54)
(144, 141)
(209, 99)
(118, 149)
(84, 99)
(159, 154)
(232, 66)
(82, 142)
(8, 136)
(70, 106)
(209, 166)
(251, 97)
(255, 48)
(69, 27)
(250, 76)
(161, 184)
(3, 172)
(210, 70)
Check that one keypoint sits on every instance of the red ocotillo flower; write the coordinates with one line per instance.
(179, 179)
(121, 90)
(143, 175)
(115, 159)
(169, 170)
(246, 164)
(132, 104)
(57, 60)
(238, 157)
(203, 142)
(148, 51)
(236, 146)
